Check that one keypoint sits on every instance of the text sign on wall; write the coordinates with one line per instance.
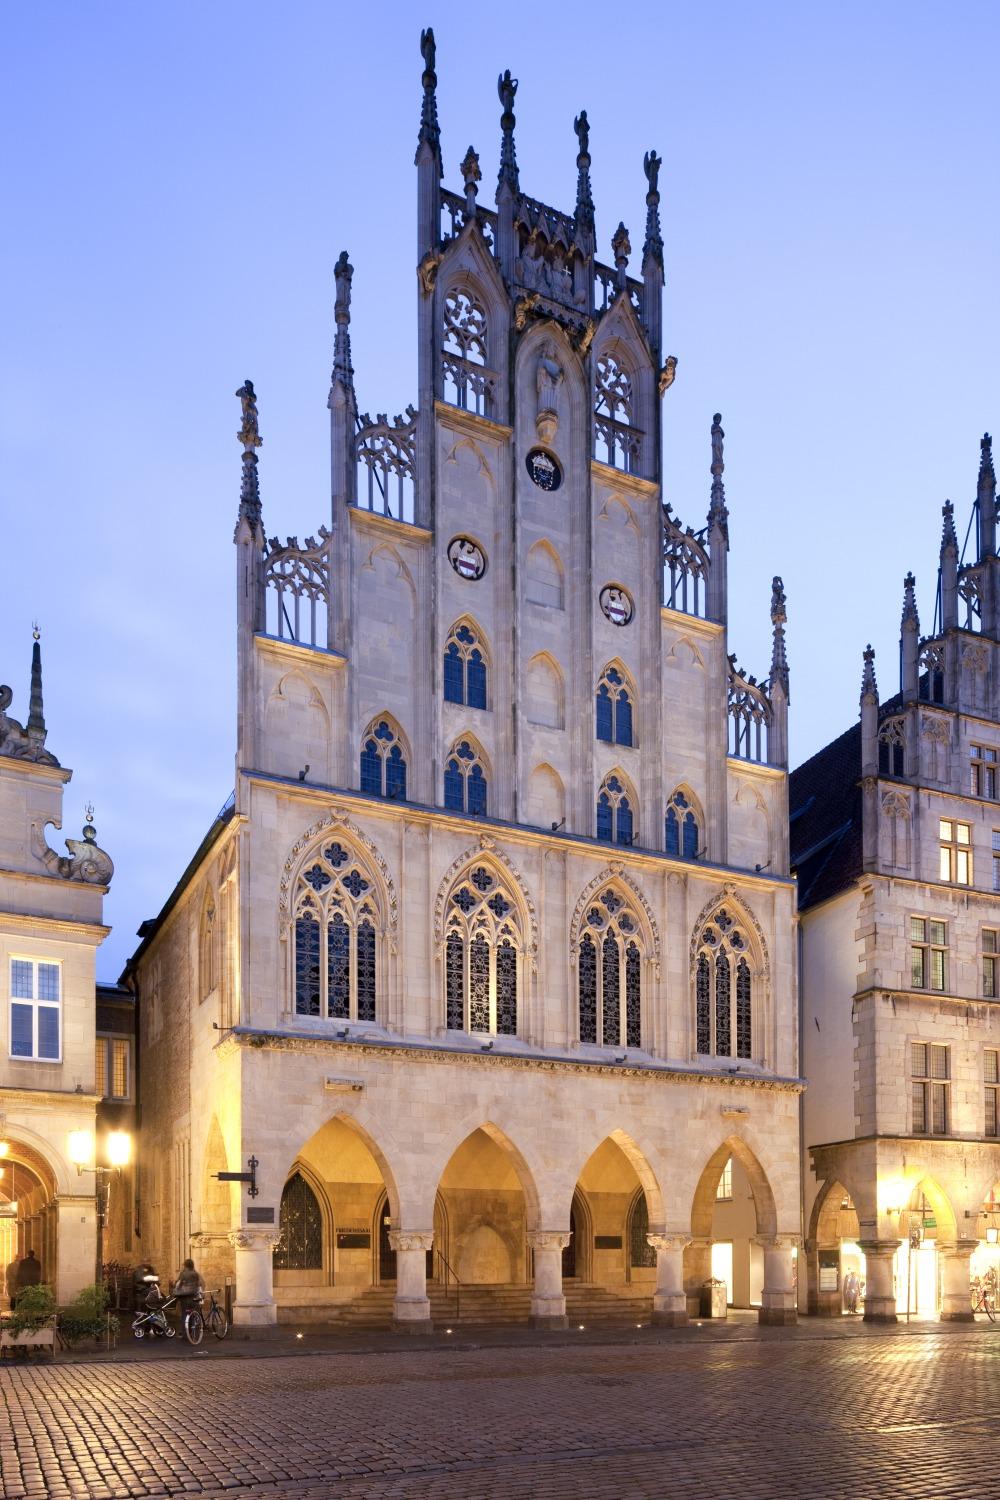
(260, 1215)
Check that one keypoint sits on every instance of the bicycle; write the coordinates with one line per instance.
(984, 1299)
(155, 1322)
(215, 1319)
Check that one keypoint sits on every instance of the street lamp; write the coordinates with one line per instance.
(82, 1153)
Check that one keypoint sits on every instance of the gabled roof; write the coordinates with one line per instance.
(824, 810)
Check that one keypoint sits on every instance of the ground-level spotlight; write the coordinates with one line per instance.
(581, 1327)
(299, 1335)
(447, 1330)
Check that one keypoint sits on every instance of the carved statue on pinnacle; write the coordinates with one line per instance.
(248, 434)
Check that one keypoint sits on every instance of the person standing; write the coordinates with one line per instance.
(189, 1286)
(29, 1272)
(11, 1279)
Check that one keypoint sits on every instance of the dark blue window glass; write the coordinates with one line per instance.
(48, 1031)
(690, 836)
(338, 950)
(371, 770)
(20, 1031)
(624, 822)
(623, 719)
(476, 677)
(588, 990)
(672, 841)
(610, 1027)
(476, 792)
(454, 675)
(454, 787)
(605, 728)
(395, 775)
(307, 966)
(454, 968)
(366, 971)
(605, 818)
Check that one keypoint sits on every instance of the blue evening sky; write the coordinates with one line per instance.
(178, 182)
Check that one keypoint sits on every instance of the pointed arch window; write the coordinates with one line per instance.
(609, 973)
(383, 762)
(300, 1247)
(724, 990)
(465, 379)
(464, 668)
(206, 949)
(466, 785)
(892, 747)
(615, 812)
(338, 930)
(682, 837)
(483, 955)
(613, 709)
(616, 438)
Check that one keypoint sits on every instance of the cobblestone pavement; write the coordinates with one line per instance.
(901, 1414)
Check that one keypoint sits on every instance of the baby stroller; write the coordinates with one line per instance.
(154, 1321)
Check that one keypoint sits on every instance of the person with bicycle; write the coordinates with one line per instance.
(189, 1288)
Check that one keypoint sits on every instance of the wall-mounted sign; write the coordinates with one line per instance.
(260, 1215)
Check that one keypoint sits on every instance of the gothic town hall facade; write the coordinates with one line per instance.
(489, 965)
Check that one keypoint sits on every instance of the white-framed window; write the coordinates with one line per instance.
(956, 851)
(113, 1067)
(983, 771)
(724, 1191)
(928, 954)
(35, 1005)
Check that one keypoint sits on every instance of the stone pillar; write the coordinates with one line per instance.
(697, 1270)
(880, 1297)
(669, 1299)
(956, 1283)
(254, 1301)
(411, 1308)
(76, 1247)
(548, 1305)
(778, 1298)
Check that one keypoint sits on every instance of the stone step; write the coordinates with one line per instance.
(478, 1304)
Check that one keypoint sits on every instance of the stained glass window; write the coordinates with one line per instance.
(703, 1005)
(479, 985)
(307, 995)
(633, 1005)
(301, 1245)
(615, 812)
(605, 818)
(454, 674)
(366, 971)
(338, 948)
(464, 668)
(466, 788)
(476, 680)
(744, 1038)
(611, 1025)
(681, 828)
(605, 714)
(613, 708)
(723, 1044)
(455, 982)
(588, 990)
(383, 765)
(623, 823)
(506, 989)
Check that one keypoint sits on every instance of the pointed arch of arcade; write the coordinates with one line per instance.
(703, 1203)
(527, 1174)
(578, 1263)
(316, 1189)
(941, 1206)
(824, 1221)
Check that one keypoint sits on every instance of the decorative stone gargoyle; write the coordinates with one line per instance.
(85, 862)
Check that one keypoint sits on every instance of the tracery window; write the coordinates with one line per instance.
(464, 668)
(300, 1247)
(206, 949)
(616, 439)
(337, 928)
(483, 945)
(466, 784)
(931, 674)
(609, 973)
(613, 708)
(466, 382)
(892, 747)
(681, 834)
(724, 990)
(615, 811)
(383, 763)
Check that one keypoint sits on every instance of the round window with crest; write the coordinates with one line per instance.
(616, 604)
(466, 557)
(543, 469)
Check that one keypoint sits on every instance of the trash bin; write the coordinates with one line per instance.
(713, 1299)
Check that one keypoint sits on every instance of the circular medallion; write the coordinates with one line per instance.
(543, 469)
(617, 604)
(466, 558)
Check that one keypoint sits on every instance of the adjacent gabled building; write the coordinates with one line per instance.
(895, 837)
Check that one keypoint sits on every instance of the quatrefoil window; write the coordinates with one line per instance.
(317, 877)
(355, 883)
(336, 855)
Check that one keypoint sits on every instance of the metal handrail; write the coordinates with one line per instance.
(449, 1268)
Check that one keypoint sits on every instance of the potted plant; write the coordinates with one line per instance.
(87, 1316)
(32, 1323)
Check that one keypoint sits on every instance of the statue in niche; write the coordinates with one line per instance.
(548, 379)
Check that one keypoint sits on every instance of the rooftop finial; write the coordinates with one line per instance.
(506, 89)
(430, 131)
(718, 515)
(584, 196)
(251, 439)
(621, 249)
(471, 176)
(343, 370)
(948, 536)
(779, 619)
(869, 687)
(910, 616)
(35, 726)
(651, 164)
(987, 477)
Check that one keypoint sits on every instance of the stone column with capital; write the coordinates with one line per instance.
(548, 1304)
(880, 1294)
(777, 1306)
(669, 1299)
(254, 1303)
(956, 1281)
(411, 1308)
